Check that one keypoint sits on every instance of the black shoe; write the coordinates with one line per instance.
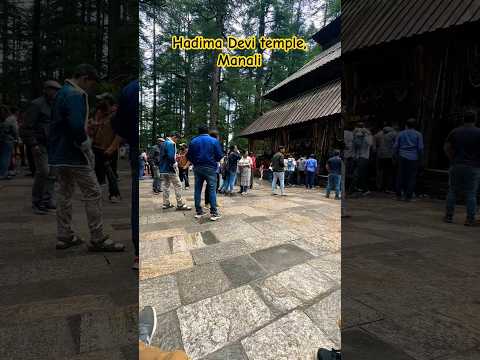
(215, 216)
(471, 222)
(39, 210)
(448, 219)
(50, 206)
(324, 354)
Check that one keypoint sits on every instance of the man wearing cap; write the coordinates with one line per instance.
(70, 152)
(35, 135)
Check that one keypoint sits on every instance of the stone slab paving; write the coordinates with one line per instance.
(409, 282)
(65, 304)
(261, 283)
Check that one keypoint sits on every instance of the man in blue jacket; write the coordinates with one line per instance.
(169, 173)
(204, 152)
(70, 152)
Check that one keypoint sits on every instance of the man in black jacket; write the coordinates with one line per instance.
(35, 134)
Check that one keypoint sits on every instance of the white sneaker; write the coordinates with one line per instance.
(215, 217)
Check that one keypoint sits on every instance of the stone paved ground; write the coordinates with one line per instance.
(262, 283)
(410, 283)
(64, 304)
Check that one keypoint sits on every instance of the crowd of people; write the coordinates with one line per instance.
(397, 156)
(169, 162)
(66, 142)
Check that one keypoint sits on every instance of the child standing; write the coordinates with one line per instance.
(334, 168)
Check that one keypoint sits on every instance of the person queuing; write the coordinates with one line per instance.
(334, 168)
(462, 147)
(35, 135)
(13, 119)
(231, 169)
(408, 152)
(278, 168)
(361, 145)
(204, 152)
(301, 170)
(245, 171)
(155, 158)
(216, 135)
(384, 141)
(70, 152)
(254, 167)
(183, 165)
(169, 173)
(290, 166)
(348, 157)
(142, 161)
(8, 137)
(311, 166)
(105, 144)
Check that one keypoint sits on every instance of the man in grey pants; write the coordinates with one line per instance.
(70, 152)
(35, 133)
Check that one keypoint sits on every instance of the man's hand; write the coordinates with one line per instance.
(36, 149)
(86, 148)
(109, 152)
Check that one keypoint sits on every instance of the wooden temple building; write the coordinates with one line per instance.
(409, 58)
(307, 116)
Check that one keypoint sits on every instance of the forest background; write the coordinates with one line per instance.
(183, 89)
(46, 39)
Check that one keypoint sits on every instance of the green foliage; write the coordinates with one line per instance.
(186, 77)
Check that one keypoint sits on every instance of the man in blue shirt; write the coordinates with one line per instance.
(169, 173)
(462, 147)
(311, 166)
(204, 152)
(334, 168)
(408, 152)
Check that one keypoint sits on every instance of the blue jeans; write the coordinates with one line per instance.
(209, 175)
(463, 179)
(310, 183)
(334, 181)
(280, 175)
(406, 177)
(5, 157)
(141, 168)
(231, 177)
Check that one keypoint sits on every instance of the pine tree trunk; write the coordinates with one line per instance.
(36, 86)
(113, 38)
(258, 105)
(154, 73)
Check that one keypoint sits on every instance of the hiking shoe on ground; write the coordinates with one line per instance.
(39, 210)
(215, 216)
(448, 219)
(169, 206)
(147, 324)
(471, 222)
(184, 208)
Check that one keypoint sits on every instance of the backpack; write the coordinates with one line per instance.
(359, 140)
